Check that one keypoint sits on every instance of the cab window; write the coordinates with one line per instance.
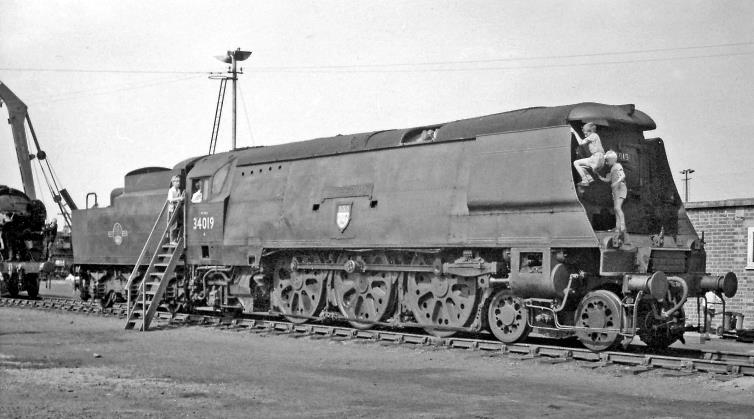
(199, 190)
(218, 180)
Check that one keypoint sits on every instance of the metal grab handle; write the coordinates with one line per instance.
(95, 200)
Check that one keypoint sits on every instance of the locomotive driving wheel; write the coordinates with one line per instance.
(659, 333)
(508, 317)
(298, 292)
(366, 295)
(599, 309)
(440, 300)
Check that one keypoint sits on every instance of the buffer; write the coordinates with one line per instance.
(160, 270)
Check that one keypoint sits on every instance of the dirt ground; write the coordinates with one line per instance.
(62, 365)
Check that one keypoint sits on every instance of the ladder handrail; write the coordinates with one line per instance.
(156, 254)
(149, 310)
(152, 261)
(137, 265)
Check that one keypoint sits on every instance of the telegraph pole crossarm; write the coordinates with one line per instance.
(686, 173)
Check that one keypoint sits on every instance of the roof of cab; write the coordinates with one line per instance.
(518, 120)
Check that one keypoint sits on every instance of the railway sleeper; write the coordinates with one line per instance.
(697, 362)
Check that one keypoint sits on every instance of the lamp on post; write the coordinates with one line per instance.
(232, 57)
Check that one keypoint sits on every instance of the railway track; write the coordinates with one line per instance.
(684, 360)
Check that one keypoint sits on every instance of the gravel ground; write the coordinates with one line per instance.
(62, 365)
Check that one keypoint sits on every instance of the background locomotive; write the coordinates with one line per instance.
(25, 242)
(469, 225)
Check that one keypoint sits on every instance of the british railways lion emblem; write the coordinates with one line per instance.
(118, 233)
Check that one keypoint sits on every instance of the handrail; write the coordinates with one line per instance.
(135, 271)
(149, 310)
(155, 256)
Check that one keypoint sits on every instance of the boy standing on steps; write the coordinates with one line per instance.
(617, 180)
(175, 197)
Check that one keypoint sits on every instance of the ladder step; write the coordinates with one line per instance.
(170, 254)
(150, 286)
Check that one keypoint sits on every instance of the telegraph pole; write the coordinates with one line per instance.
(686, 173)
(235, 81)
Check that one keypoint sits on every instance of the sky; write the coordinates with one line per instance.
(113, 86)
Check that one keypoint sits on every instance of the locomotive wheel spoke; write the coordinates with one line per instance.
(440, 300)
(599, 309)
(507, 317)
(312, 287)
(367, 306)
(451, 309)
(350, 295)
(368, 296)
(299, 292)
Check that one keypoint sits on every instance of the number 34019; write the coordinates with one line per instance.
(204, 223)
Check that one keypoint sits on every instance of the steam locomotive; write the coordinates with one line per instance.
(25, 241)
(473, 225)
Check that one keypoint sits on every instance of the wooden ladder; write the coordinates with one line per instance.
(154, 281)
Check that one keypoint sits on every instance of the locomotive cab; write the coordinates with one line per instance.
(209, 186)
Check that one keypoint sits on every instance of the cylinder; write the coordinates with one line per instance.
(726, 284)
(655, 285)
(542, 285)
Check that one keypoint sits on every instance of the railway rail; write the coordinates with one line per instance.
(684, 360)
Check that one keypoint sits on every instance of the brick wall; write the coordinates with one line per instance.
(725, 225)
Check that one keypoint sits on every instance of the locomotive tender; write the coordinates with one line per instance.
(464, 226)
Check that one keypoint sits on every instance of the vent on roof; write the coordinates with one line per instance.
(421, 135)
(628, 108)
